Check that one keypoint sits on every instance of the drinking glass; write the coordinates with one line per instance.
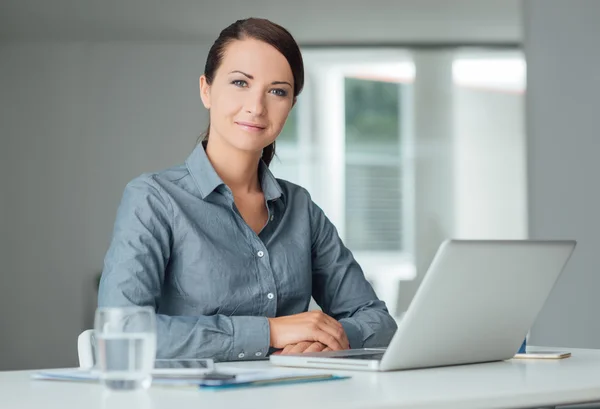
(125, 346)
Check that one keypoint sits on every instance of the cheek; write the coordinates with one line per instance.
(226, 105)
(279, 114)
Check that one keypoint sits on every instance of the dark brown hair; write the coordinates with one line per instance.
(268, 32)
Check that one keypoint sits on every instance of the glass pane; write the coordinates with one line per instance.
(286, 163)
(373, 206)
(289, 133)
(372, 115)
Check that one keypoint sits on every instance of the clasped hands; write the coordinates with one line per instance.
(312, 331)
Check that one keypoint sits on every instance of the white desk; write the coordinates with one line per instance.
(510, 384)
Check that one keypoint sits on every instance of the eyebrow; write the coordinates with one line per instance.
(251, 77)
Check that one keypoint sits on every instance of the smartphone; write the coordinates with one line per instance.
(543, 355)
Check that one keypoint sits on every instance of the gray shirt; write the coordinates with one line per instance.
(181, 246)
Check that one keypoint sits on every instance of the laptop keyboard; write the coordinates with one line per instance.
(368, 357)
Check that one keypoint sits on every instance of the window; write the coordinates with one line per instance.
(405, 148)
(373, 172)
(289, 133)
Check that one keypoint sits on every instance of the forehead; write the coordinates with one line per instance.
(256, 58)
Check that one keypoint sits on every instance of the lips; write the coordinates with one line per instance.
(251, 126)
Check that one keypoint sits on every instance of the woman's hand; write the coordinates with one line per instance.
(312, 326)
(303, 347)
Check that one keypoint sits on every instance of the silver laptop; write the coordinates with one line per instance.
(476, 303)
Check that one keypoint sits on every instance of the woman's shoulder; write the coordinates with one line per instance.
(292, 190)
(160, 179)
(297, 197)
(159, 185)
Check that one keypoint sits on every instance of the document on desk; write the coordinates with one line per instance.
(226, 379)
(267, 378)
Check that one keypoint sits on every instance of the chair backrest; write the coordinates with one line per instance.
(85, 349)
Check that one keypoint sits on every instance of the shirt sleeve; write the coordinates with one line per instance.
(341, 289)
(134, 273)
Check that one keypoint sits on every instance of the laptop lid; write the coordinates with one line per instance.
(477, 301)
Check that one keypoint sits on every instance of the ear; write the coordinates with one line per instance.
(204, 91)
(294, 101)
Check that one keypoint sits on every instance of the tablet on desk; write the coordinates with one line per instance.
(183, 366)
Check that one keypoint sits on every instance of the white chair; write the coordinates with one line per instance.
(85, 349)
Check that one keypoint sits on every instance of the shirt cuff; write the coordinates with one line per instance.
(251, 336)
(353, 332)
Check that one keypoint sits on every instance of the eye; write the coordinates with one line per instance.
(279, 92)
(240, 83)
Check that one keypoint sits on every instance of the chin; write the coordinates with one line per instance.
(244, 143)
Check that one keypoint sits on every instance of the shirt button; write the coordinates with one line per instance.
(270, 296)
(258, 354)
(260, 254)
(241, 355)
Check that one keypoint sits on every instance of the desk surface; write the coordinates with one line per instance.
(509, 384)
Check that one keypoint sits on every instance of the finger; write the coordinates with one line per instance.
(315, 347)
(346, 341)
(338, 334)
(342, 337)
(300, 347)
(326, 349)
(334, 328)
(287, 349)
(329, 320)
(326, 338)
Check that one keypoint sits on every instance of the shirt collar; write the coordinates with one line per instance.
(270, 186)
(208, 180)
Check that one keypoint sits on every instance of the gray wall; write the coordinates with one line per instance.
(562, 110)
(311, 21)
(78, 121)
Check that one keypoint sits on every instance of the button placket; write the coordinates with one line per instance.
(267, 276)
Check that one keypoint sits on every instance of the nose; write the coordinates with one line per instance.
(255, 103)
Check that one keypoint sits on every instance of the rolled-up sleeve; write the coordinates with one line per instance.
(134, 274)
(341, 289)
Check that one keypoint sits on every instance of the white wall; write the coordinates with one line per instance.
(490, 166)
(469, 163)
(77, 122)
(561, 47)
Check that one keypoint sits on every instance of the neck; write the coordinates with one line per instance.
(237, 169)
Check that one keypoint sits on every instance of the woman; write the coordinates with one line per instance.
(228, 255)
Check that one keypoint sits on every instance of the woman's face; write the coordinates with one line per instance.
(251, 95)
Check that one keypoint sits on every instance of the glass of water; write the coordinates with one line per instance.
(125, 346)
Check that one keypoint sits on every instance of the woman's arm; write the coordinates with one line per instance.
(340, 287)
(134, 273)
